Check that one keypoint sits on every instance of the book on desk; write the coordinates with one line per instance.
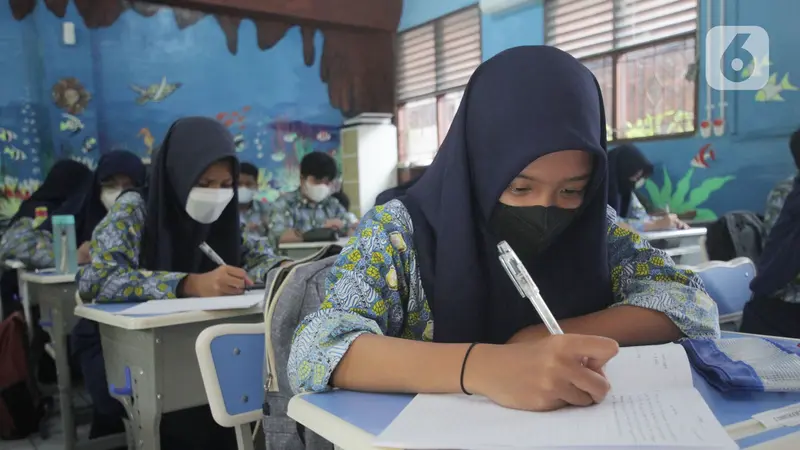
(652, 404)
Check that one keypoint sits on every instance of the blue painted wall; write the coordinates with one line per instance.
(753, 153)
(277, 105)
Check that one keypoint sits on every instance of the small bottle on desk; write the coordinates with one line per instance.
(40, 216)
(64, 249)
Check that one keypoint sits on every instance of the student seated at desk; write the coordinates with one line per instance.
(629, 169)
(253, 214)
(524, 161)
(89, 199)
(775, 307)
(312, 205)
(147, 248)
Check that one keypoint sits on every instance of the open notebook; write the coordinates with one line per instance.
(652, 405)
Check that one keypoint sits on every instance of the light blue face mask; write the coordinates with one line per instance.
(640, 183)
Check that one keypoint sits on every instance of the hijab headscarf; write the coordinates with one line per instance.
(523, 103)
(171, 238)
(89, 206)
(65, 179)
(624, 162)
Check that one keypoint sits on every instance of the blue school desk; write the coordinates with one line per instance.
(351, 420)
(151, 364)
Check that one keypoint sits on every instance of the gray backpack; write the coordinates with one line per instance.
(293, 292)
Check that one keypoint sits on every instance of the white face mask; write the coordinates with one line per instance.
(108, 195)
(205, 205)
(245, 195)
(640, 183)
(317, 192)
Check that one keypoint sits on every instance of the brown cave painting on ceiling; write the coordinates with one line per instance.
(357, 60)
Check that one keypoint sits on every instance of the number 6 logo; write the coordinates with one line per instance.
(726, 73)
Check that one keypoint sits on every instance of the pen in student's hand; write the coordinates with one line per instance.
(526, 287)
(208, 251)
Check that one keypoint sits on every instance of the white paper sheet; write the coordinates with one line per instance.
(648, 367)
(664, 413)
(249, 300)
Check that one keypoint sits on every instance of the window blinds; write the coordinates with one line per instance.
(585, 28)
(438, 56)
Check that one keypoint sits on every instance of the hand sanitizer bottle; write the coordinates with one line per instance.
(64, 249)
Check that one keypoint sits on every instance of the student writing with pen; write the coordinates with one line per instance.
(524, 162)
(147, 247)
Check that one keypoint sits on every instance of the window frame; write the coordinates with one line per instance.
(437, 95)
(616, 53)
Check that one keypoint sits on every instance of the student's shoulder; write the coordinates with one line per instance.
(128, 204)
(390, 217)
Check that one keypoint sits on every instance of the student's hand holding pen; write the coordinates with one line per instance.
(224, 280)
(541, 375)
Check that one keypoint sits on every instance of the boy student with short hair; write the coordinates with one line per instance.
(312, 205)
(253, 214)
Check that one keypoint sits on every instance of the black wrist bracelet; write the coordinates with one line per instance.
(464, 366)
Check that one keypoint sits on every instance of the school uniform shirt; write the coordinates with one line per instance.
(255, 219)
(375, 287)
(24, 242)
(294, 211)
(637, 214)
(114, 274)
(775, 201)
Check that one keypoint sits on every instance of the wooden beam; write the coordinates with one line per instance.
(375, 14)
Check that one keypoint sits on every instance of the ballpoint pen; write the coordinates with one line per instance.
(525, 285)
(208, 251)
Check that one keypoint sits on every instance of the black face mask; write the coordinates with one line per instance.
(529, 230)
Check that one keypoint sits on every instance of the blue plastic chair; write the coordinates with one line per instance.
(728, 284)
(231, 359)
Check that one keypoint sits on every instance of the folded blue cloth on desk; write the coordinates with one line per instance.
(746, 364)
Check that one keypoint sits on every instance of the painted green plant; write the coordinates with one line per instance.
(684, 198)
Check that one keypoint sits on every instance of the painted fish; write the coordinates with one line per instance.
(772, 91)
(7, 135)
(88, 144)
(14, 153)
(323, 136)
(703, 156)
(71, 124)
(155, 92)
(239, 142)
(290, 137)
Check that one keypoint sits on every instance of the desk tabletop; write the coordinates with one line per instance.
(357, 417)
(109, 314)
(297, 245)
(674, 234)
(13, 264)
(47, 276)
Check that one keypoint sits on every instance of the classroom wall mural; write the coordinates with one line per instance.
(748, 131)
(121, 87)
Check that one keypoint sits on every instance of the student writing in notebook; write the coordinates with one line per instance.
(524, 161)
(23, 240)
(147, 248)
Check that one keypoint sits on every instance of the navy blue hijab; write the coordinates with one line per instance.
(89, 207)
(64, 180)
(170, 239)
(779, 264)
(523, 103)
(624, 162)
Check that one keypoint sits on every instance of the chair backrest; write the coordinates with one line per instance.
(231, 359)
(728, 283)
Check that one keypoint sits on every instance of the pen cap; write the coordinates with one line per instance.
(63, 220)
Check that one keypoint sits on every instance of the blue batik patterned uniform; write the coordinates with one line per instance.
(23, 242)
(375, 287)
(293, 211)
(256, 219)
(114, 273)
(637, 214)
